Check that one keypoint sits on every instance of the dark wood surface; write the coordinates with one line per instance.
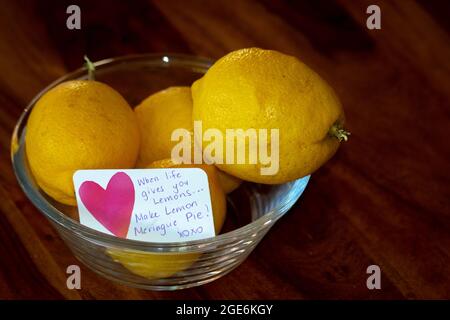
(383, 199)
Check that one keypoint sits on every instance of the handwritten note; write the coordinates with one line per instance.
(156, 205)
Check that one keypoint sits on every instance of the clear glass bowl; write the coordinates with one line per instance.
(252, 208)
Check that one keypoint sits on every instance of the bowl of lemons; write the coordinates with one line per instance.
(121, 113)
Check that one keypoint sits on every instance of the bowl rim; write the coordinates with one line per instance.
(36, 197)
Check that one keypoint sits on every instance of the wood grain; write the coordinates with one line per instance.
(383, 199)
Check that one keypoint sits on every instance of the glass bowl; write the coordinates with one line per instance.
(252, 208)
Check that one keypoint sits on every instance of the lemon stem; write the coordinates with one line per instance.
(338, 132)
(90, 67)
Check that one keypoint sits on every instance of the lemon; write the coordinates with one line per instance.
(164, 265)
(265, 89)
(80, 124)
(153, 265)
(228, 182)
(158, 116)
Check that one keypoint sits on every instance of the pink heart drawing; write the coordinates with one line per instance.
(111, 207)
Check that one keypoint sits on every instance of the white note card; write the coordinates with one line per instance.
(155, 205)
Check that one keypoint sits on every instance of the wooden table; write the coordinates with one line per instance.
(383, 199)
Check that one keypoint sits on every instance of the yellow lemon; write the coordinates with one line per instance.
(153, 265)
(264, 89)
(158, 116)
(228, 182)
(80, 124)
(164, 265)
